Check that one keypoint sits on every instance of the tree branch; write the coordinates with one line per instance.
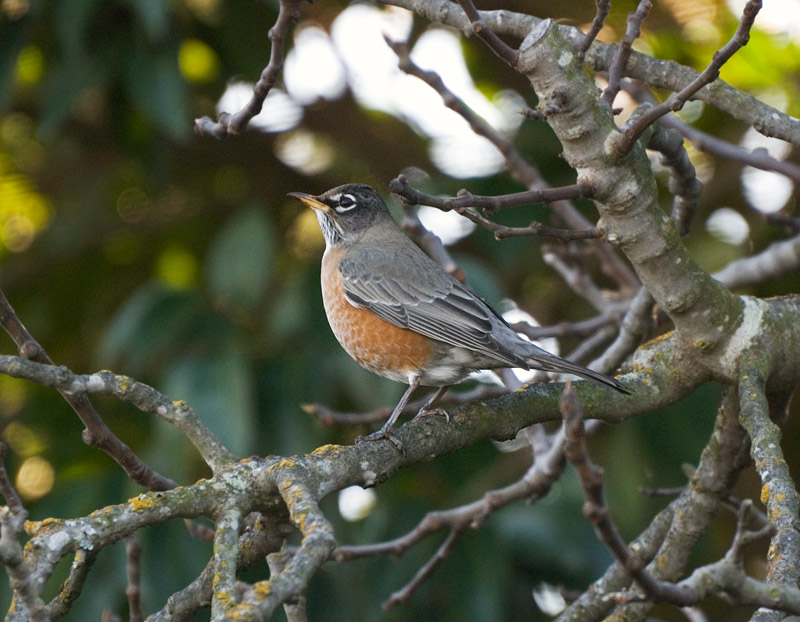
(599, 19)
(634, 131)
(493, 42)
(227, 123)
(617, 68)
(96, 432)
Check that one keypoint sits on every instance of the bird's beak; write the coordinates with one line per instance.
(309, 200)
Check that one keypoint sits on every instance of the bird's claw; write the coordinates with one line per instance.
(427, 412)
(383, 435)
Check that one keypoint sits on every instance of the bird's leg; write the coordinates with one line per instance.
(386, 430)
(428, 409)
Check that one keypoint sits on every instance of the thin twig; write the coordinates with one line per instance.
(402, 595)
(430, 243)
(582, 328)
(485, 34)
(488, 203)
(12, 521)
(502, 232)
(228, 123)
(465, 201)
(133, 591)
(634, 131)
(515, 162)
(757, 158)
(617, 68)
(683, 183)
(96, 432)
(597, 25)
(330, 417)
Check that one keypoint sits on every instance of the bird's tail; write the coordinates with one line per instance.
(543, 360)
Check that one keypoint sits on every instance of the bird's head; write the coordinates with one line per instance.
(346, 212)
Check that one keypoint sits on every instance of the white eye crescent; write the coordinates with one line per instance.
(346, 203)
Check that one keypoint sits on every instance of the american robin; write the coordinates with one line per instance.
(401, 315)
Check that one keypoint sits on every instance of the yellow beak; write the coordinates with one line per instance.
(309, 200)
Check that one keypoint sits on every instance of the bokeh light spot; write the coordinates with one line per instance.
(304, 151)
(13, 392)
(313, 70)
(22, 439)
(728, 226)
(197, 61)
(178, 268)
(30, 65)
(356, 503)
(23, 211)
(35, 478)
(133, 205)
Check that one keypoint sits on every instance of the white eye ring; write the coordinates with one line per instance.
(346, 203)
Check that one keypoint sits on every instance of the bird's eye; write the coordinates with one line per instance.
(346, 203)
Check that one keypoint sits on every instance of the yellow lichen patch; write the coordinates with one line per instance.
(660, 338)
(286, 463)
(33, 528)
(124, 383)
(262, 589)
(765, 494)
(141, 503)
(224, 596)
(323, 450)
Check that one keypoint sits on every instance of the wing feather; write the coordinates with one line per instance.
(408, 289)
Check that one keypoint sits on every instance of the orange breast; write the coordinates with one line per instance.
(375, 344)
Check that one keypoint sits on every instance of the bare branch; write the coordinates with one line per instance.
(144, 397)
(778, 491)
(491, 203)
(96, 432)
(683, 182)
(515, 162)
(403, 595)
(485, 34)
(773, 262)
(228, 123)
(133, 591)
(12, 520)
(634, 131)
(617, 68)
(597, 25)
(758, 158)
(464, 202)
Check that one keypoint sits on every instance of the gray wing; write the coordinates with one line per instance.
(408, 289)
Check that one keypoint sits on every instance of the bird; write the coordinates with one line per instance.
(401, 315)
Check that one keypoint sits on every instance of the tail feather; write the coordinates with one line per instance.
(545, 361)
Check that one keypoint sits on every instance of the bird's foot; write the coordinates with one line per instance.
(380, 435)
(427, 412)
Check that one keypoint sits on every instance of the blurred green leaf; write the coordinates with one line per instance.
(72, 23)
(65, 82)
(155, 85)
(154, 321)
(220, 389)
(153, 15)
(11, 41)
(240, 260)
